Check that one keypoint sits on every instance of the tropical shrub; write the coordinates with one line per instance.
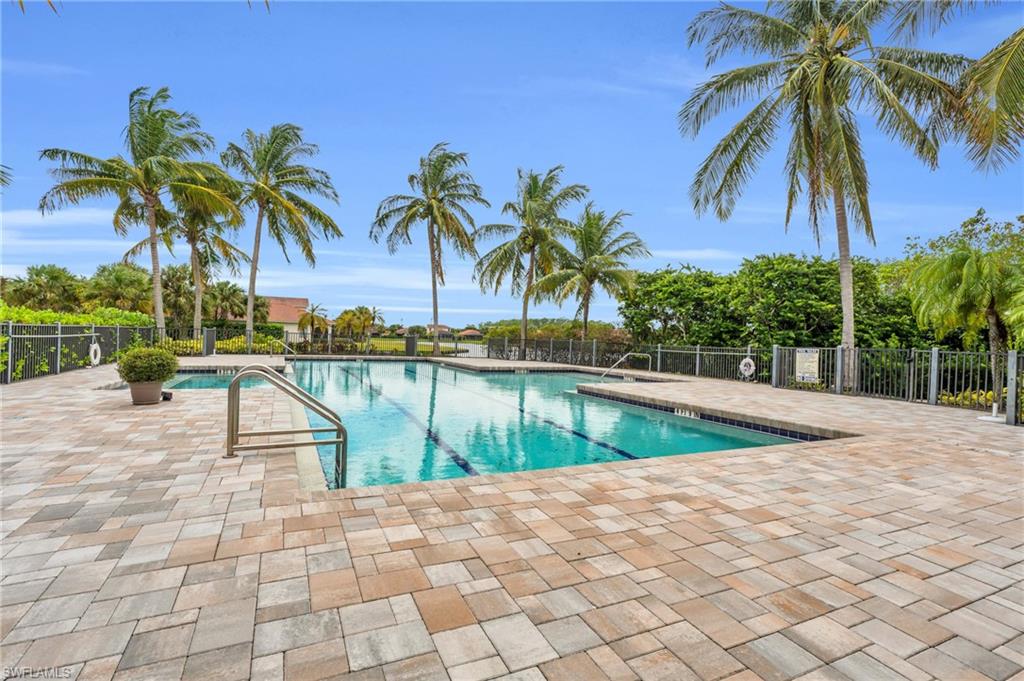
(261, 344)
(101, 316)
(142, 365)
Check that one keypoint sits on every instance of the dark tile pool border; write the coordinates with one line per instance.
(787, 433)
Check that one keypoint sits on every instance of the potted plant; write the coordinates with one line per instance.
(145, 370)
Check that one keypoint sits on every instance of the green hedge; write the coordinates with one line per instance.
(101, 316)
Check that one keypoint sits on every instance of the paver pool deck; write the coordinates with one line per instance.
(132, 550)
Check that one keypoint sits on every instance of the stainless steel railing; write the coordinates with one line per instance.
(620, 360)
(340, 441)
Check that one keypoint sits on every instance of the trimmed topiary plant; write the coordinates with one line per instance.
(145, 370)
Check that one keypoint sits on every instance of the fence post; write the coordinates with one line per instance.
(551, 349)
(58, 347)
(659, 356)
(10, 351)
(1012, 408)
(570, 352)
(593, 354)
(776, 358)
(840, 352)
(933, 378)
(506, 348)
(696, 371)
(117, 338)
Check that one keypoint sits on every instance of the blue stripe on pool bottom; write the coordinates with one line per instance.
(454, 455)
(600, 443)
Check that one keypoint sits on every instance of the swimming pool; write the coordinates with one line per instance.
(414, 421)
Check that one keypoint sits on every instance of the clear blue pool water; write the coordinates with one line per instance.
(412, 421)
(187, 381)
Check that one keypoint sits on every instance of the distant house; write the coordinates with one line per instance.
(442, 329)
(286, 311)
(470, 334)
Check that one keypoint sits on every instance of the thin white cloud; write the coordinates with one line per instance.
(23, 67)
(657, 74)
(75, 216)
(363, 277)
(42, 247)
(698, 254)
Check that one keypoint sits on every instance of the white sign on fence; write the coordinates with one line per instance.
(806, 365)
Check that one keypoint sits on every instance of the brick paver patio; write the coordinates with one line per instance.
(132, 550)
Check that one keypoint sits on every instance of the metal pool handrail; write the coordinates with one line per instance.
(620, 360)
(340, 441)
(284, 345)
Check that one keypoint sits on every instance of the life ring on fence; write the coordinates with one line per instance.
(95, 354)
(747, 367)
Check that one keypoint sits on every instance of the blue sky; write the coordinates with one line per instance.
(594, 87)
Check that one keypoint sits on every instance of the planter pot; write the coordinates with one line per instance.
(146, 393)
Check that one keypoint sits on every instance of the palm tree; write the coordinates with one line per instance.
(178, 293)
(224, 300)
(208, 250)
(445, 190)
(46, 287)
(991, 107)
(274, 182)
(160, 142)
(345, 323)
(363, 320)
(597, 261)
(973, 280)
(313, 319)
(822, 67)
(5, 175)
(121, 285)
(531, 250)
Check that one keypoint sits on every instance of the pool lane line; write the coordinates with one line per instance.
(600, 443)
(452, 453)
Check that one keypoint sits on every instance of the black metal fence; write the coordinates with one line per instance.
(962, 379)
(330, 343)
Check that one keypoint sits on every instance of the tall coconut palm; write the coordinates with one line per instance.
(822, 68)
(313, 319)
(991, 110)
(531, 250)
(209, 249)
(224, 300)
(597, 260)
(445, 191)
(160, 142)
(274, 184)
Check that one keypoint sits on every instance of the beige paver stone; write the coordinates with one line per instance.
(386, 645)
(518, 641)
(78, 646)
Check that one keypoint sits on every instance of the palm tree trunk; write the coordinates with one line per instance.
(845, 286)
(197, 280)
(997, 340)
(431, 244)
(250, 303)
(526, 305)
(586, 316)
(154, 256)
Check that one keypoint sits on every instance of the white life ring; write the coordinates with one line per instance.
(94, 354)
(747, 367)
